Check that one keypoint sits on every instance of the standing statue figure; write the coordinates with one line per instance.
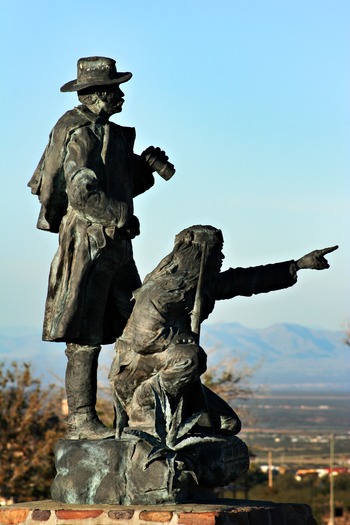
(159, 350)
(86, 181)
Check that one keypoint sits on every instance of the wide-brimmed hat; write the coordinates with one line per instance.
(96, 71)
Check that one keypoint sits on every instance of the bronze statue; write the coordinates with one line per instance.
(159, 349)
(175, 439)
(86, 181)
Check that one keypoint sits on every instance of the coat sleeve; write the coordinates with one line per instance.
(254, 280)
(143, 177)
(142, 174)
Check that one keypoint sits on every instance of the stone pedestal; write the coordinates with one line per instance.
(229, 512)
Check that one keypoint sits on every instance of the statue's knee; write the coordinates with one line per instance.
(182, 367)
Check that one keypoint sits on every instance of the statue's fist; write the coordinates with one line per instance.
(132, 227)
(157, 159)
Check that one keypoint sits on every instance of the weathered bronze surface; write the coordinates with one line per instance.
(174, 439)
(155, 374)
(86, 181)
(159, 349)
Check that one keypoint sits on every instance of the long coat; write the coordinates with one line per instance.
(86, 181)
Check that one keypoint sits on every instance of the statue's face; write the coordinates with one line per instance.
(214, 261)
(111, 101)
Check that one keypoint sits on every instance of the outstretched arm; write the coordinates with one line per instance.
(263, 279)
(315, 260)
(254, 280)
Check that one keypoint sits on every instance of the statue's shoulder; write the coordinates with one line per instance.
(48, 181)
(71, 120)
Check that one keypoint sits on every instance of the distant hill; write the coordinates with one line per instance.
(288, 356)
(291, 356)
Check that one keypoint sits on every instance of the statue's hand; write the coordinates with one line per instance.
(158, 160)
(315, 260)
(131, 228)
(156, 152)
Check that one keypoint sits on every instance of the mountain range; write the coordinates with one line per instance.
(283, 356)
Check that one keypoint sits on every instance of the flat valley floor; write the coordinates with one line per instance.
(296, 427)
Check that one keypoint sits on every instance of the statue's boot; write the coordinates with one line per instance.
(81, 388)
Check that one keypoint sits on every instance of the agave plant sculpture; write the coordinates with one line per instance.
(172, 441)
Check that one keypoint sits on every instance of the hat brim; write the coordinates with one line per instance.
(75, 85)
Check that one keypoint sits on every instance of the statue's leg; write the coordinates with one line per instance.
(120, 416)
(81, 388)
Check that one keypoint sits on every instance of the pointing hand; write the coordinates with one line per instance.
(315, 260)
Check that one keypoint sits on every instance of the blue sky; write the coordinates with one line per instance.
(250, 99)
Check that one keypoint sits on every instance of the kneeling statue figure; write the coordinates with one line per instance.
(156, 370)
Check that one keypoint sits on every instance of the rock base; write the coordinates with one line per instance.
(229, 512)
(119, 471)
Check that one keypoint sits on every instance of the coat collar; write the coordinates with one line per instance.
(89, 115)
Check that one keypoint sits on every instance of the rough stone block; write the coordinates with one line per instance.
(91, 471)
(156, 516)
(41, 515)
(12, 516)
(198, 518)
(72, 514)
(117, 472)
(121, 514)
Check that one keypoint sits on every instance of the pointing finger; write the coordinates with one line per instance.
(328, 250)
